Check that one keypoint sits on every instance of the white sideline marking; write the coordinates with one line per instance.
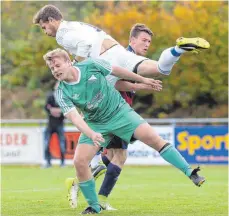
(33, 190)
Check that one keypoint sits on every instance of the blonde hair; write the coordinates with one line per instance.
(56, 53)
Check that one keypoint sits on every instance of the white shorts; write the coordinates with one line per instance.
(119, 56)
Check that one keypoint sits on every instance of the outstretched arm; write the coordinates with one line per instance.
(78, 121)
(125, 74)
(122, 85)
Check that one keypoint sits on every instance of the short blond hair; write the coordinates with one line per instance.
(56, 53)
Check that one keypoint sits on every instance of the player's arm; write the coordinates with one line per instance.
(106, 68)
(122, 85)
(70, 112)
(127, 75)
(74, 116)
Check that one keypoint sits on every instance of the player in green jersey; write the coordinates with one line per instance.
(84, 86)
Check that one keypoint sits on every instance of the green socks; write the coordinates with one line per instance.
(88, 190)
(171, 155)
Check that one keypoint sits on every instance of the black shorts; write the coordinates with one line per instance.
(117, 143)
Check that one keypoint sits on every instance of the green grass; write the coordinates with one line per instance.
(140, 191)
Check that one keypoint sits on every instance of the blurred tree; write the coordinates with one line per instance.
(197, 80)
(23, 47)
(194, 76)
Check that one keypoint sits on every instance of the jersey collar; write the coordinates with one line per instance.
(76, 82)
(130, 49)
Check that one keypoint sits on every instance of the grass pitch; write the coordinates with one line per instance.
(140, 191)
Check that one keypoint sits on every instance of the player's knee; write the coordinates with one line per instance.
(154, 141)
(123, 159)
(120, 156)
(123, 156)
(109, 154)
(151, 139)
(80, 162)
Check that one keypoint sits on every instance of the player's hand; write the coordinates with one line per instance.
(155, 84)
(142, 86)
(97, 138)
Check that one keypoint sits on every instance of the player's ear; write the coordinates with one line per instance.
(133, 39)
(50, 19)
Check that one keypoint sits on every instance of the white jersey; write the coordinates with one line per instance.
(85, 40)
(81, 39)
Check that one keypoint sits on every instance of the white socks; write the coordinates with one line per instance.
(168, 58)
(179, 50)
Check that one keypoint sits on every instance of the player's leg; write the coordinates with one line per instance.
(72, 184)
(117, 55)
(114, 169)
(107, 157)
(133, 124)
(83, 155)
(170, 56)
(149, 136)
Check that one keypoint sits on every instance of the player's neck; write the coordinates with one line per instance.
(73, 75)
(132, 47)
(58, 22)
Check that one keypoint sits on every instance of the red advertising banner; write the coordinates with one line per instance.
(71, 143)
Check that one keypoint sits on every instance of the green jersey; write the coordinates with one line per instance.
(91, 93)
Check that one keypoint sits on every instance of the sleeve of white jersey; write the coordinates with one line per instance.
(77, 44)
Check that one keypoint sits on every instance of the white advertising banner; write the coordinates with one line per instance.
(21, 145)
(141, 154)
(25, 146)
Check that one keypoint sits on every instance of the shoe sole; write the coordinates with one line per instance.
(100, 173)
(198, 43)
(201, 182)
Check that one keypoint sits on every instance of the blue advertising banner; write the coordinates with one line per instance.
(203, 144)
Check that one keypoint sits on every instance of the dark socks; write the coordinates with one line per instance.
(111, 177)
(105, 160)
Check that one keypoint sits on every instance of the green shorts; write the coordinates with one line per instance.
(123, 124)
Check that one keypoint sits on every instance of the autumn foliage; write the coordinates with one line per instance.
(197, 86)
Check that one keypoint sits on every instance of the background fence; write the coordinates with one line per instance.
(200, 141)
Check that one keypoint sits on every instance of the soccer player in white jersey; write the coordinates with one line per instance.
(84, 40)
(84, 85)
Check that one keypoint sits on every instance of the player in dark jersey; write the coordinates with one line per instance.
(116, 152)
